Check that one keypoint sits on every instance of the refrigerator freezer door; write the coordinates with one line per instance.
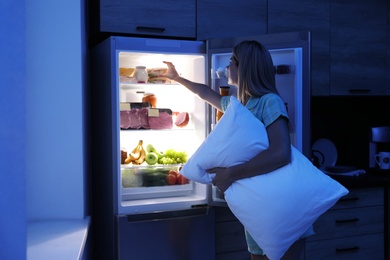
(183, 234)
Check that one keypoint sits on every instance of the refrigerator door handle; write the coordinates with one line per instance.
(196, 211)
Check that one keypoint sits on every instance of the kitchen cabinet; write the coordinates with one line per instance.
(190, 19)
(306, 15)
(155, 18)
(230, 242)
(358, 47)
(350, 54)
(352, 229)
(226, 18)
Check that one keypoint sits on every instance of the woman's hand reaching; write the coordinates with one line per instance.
(171, 73)
(222, 178)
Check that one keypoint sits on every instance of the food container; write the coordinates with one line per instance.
(141, 75)
(149, 176)
(150, 98)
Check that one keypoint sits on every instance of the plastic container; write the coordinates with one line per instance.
(141, 75)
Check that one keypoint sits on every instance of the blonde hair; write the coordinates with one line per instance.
(255, 69)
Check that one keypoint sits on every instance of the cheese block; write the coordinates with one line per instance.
(127, 72)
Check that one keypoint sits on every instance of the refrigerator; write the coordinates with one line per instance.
(136, 212)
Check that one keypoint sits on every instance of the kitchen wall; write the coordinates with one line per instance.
(55, 161)
(12, 130)
(346, 120)
(42, 155)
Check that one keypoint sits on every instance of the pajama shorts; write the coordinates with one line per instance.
(253, 248)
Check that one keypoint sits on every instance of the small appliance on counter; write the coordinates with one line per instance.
(379, 142)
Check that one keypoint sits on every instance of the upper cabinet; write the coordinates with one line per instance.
(350, 42)
(186, 19)
(306, 15)
(229, 18)
(358, 47)
(152, 17)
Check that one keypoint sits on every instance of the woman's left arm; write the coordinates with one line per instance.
(275, 156)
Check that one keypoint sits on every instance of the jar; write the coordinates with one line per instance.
(141, 75)
(151, 98)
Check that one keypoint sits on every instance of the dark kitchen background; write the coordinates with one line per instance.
(346, 121)
(350, 87)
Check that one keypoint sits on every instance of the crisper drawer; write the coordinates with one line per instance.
(361, 198)
(357, 247)
(349, 222)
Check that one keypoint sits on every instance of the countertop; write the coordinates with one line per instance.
(372, 178)
(57, 239)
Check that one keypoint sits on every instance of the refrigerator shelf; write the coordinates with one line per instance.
(144, 169)
(131, 86)
(174, 128)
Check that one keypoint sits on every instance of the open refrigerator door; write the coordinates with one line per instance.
(290, 53)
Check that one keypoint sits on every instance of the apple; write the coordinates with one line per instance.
(150, 149)
(160, 155)
(151, 158)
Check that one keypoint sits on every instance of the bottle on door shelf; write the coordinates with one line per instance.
(224, 91)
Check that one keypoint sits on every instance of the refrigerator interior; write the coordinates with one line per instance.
(134, 194)
(288, 82)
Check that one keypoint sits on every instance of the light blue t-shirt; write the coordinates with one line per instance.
(267, 108)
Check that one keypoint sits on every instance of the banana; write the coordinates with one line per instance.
(141, 159)
(137, 156)
(136, 153)
(129, 159)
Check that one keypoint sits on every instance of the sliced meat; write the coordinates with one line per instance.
(163, 121)
(143, 117)
(135, 122)
(125, 122)
(182, 119)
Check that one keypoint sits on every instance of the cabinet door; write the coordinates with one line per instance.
(358, 47)
(357, 198)
(349, 222)
(346, 248)
(230, 242)
(229, 18)
(167, 18)
(303, 15)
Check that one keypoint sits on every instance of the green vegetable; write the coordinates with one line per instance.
(130, 179)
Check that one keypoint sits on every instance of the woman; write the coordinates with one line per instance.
(251, 69)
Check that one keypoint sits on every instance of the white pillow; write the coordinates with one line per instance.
(276, 208)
